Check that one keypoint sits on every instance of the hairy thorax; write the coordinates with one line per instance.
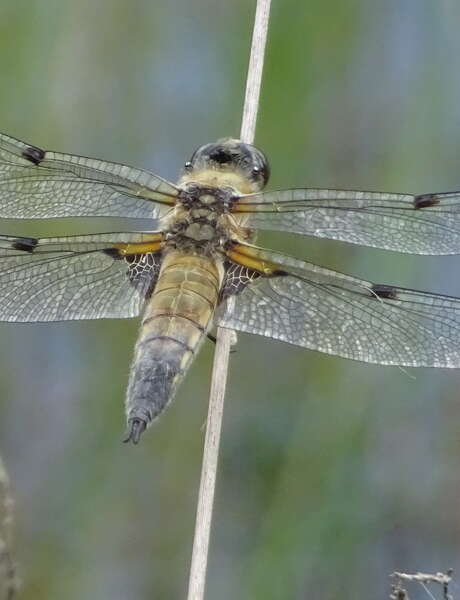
(201, 222)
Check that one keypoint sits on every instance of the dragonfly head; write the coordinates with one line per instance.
(229, 156)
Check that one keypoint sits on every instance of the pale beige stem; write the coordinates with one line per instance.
(255, 69)
(198, 567)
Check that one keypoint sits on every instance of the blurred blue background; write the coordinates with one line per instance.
(332, 473)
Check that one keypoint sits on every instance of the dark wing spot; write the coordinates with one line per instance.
(143, 271)
(425, 200)
(34, 154)
(25, 244)
(237, 277)
(113, 252)
(384, 291)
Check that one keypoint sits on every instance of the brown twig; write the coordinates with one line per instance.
(198, 567)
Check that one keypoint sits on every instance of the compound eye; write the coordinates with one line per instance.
(188, 166)
(220, 156)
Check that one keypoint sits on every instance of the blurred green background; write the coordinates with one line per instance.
(332, 473)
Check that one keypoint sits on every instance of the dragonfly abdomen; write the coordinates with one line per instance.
(176, 318)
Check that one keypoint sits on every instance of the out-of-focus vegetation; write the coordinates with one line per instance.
(333, 474)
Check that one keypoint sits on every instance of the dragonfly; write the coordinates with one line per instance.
(198, 266)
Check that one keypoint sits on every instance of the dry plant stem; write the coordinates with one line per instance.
(8, 580)
(256, 64)
(442, 579)
(209, 468)
(198, 567)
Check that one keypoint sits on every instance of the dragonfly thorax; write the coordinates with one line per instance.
(196, 196)
(197, 220)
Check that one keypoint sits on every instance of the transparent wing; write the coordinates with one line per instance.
(78, 277)
(323, 310)
(39, 184)
(424, 224)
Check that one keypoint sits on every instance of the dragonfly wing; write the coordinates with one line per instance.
(77, 277)
(424, 224)
(39, 184)
(324, 310)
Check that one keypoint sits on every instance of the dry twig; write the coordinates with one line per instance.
(442, 579)
(197, 578)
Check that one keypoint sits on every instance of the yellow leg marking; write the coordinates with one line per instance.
(249, 257)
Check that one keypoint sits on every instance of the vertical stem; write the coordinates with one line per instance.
(8, 582)
(254, 78)
(198, 567)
